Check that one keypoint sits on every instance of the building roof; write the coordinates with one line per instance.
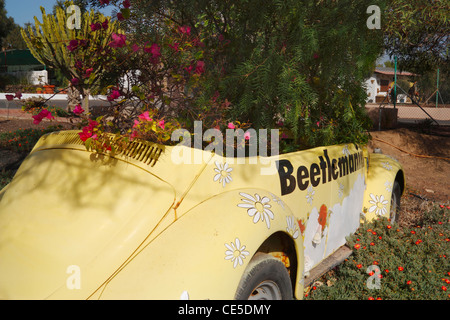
(17, 58)
(391, 71)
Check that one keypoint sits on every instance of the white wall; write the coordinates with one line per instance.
(32, 77)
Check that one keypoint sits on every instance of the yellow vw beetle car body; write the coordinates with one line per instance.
(141, 225)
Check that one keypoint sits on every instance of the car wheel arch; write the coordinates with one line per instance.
(282, 247)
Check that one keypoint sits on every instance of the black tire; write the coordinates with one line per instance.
(265, 278)
(394, 214)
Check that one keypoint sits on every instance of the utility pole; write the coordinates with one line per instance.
(395, 80)
(437, 87)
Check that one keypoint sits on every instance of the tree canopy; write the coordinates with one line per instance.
(290, 64)
(418, 33)
(9, 31)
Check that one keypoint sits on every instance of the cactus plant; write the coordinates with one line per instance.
(50, 43)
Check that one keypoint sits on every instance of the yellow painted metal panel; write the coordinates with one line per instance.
(143, 224)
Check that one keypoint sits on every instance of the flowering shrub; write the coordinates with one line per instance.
(158, 98)
(23, 140)
(406, 263)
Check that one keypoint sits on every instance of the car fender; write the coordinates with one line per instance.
(382, 172)
(209, 264)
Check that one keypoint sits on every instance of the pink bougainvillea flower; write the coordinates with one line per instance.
(231, 125)
(105, 24)
(161, 124)
(155, 51)
(126, 4)
(88, 131)
(200, 68)
(18, 94)
(37, 119)
(85, 134)
(196, 42)
(119, 40)
(46, 114)
(185, 30)
(41, 115)
(215, 96)
(78, 109)
(9, 97)
(247, 135)
(133, 135)
(114, 95)
(189, 69)
(96, 26)
(145, 116)
(88, 72)
(73, 44)
(75, 81)
(136, 123)
(93, 124)
(175, 46)
(135, 47)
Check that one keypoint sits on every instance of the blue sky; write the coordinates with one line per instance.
(23, 11)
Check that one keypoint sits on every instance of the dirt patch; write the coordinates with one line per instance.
(13, 124)
(425, 158)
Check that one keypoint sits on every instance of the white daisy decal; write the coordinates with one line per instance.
(236, 253)
(378, 204)
(386, 165)
(388, 186)
(223, 173)
(292, 227)
(341, 190)
(310, 194)
(345, 150)
(257, 207)
(277, 200)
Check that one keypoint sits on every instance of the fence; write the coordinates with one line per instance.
(408, 109)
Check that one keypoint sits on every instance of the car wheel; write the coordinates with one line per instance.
(265, 278)
(395, 202)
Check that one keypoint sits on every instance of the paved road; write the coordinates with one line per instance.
(12, 109)
(406, 114)
(413, 114)
(59, 100)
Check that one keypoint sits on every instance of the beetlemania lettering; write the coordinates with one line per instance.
(326, 170)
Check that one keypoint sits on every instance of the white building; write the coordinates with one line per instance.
(24, 66)
(378, 83)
